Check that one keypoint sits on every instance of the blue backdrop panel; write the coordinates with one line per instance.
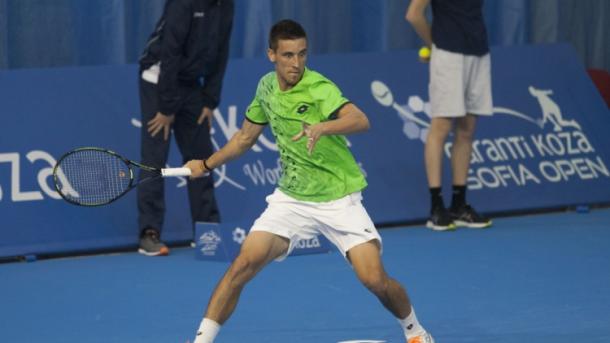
(546, 145)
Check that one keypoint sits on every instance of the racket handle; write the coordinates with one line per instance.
(169, 172)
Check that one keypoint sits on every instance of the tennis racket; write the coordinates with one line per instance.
(95, 176)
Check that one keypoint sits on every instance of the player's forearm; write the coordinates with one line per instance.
(237, 146)
(352, 122)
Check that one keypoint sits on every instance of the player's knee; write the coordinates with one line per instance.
(242, 270)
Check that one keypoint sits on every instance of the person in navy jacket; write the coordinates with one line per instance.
(181, 73)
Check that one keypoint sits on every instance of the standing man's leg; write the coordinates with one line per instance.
(446, 102)
(194, 142)
(477, 100)
(433, 154)
(461, 153)
(150, 195)
(366, 261)
(258, 250)
(433, 150)
(460, 158)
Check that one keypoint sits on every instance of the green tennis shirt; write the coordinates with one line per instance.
(330, 172)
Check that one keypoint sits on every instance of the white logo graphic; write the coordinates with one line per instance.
(413, 112)
(311, 243)
(414, 126)
(517, 160)
(239, 235)
(44, 176)
(550, 110)
(209, 242)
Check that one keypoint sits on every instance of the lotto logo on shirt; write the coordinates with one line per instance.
(302, 109)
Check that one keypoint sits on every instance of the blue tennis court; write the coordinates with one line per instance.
(539, 278)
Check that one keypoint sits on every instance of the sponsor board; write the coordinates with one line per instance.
(545, 146)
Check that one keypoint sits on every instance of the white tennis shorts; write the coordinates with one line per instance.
(459, 84)
(344, 222)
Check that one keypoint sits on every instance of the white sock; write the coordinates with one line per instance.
(411, 326)
(207, 331)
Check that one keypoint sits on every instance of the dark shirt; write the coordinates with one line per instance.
(191, 40)
(458, 26)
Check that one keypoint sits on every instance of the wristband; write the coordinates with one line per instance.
(205, 165)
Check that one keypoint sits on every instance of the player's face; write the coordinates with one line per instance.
(289, 58)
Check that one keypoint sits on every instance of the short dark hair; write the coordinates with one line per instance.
(285, 29)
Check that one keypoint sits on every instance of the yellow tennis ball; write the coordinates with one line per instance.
(424, 52)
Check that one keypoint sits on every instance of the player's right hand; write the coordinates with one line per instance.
(197, 168)
(161, 122)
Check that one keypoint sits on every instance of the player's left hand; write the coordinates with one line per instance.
(206, 112)
(313, 134)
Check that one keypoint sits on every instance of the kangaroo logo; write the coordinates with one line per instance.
(415, 114)
(550, 111)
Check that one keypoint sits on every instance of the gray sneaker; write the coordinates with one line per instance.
(151, 245)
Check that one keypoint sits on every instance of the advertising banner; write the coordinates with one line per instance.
(546, 145)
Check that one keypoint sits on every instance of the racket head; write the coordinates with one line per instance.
(92, 176)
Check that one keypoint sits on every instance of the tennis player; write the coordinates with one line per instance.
(319, 191)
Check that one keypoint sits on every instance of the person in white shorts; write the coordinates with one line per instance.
(460, 90)
(319, 191)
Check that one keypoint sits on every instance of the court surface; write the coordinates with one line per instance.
(539, 278)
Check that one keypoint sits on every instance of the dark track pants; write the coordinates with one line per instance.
(193, 141)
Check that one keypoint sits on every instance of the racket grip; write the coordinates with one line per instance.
(169, 172)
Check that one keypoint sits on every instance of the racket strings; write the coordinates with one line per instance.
(92, 177)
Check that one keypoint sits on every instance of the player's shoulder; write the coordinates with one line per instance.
(266, 82)
(319, 85)
(266, 85)
(313, 77)
(267, 79)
